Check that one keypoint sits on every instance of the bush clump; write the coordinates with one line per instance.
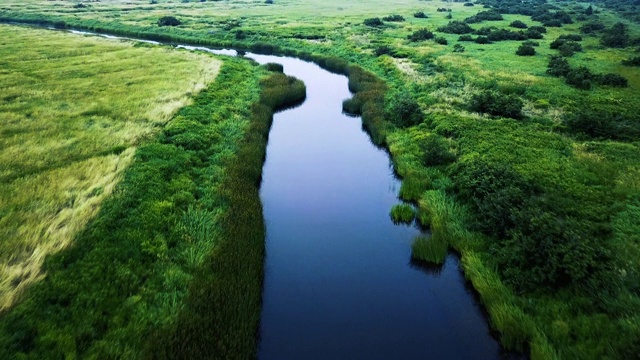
(420, 35)
(497, 104)
(393, 18)
(275, 67)
(490, 15)
(518, 24)
(580, 78)
(435, 150)
(441, 40)
(456, 27)
(526, 50)
(373, 22)
(558, 66)
(634, 61)
(168, 21)
(616, 37)
(420, 15)
(403, 110)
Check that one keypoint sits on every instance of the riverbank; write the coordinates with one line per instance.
(182, 229)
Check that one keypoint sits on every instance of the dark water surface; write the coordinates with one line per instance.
(339, 283)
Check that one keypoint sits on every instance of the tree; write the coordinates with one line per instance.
(589, 10)
(518, 24)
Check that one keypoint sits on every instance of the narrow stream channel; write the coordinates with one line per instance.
(339, 281)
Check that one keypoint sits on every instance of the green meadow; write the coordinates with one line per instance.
(526, 166)
(74, 109)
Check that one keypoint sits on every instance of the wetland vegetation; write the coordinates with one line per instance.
(526, 166)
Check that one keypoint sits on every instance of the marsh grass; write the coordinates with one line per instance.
(74, 109)
(402, 213)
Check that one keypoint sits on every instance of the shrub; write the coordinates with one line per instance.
(275, 67)
(533, 34)
(579, 78)
(420, 35)
(558, 66)
(497, 104)
(569, 48)
(570, 37)
(490, 15)
(458, 48)
(456, 27)
(502, 35)
(465, 38)
(531, 43)
(383, 50)
(540, 29)
(443, 9)
(613, 80)
(602, 124)
(592, 27)
(518, 24)
(441, 40)
(435, 151)
(374, 22)
(635, 61)
(402, 213)
(403, 110)
(482, 40)
(449, 16)
(616, 37)
(468, 4)
(525, 50)
(168, 21)
(420, 15)
(393, 18)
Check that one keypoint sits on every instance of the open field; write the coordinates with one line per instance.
(73, 111)
(539, 195)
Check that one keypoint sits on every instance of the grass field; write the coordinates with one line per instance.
(73, 111)
(542, 205)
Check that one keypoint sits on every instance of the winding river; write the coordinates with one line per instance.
(339, 281)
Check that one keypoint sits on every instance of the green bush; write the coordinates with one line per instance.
(420, 35)
(616, 37)
(420, 15)
(373, 22)
(518, 24)
(403, 110)
(275, 67)
(168, 21)
(634, 61)
(435, 150)
(558, 66)
(393, 18)
(490, 15)
(526, 50)
(441, 40)
(613, 80)
(456, 27)
(498, 104)
(580, 78)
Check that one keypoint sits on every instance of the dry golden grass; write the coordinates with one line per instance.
(72, 110)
